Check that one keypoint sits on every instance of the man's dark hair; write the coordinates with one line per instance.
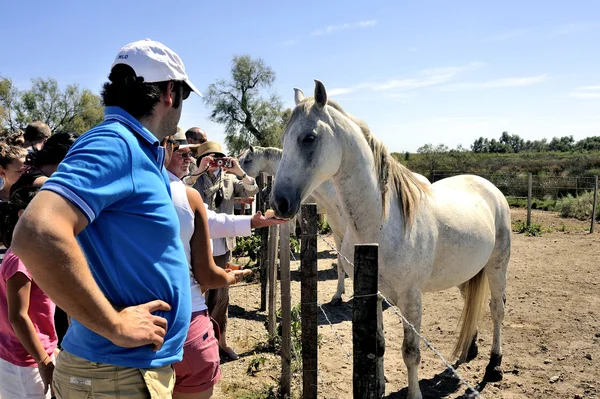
(128, 91)
(36, 131)
(192, 133)
(54, 150)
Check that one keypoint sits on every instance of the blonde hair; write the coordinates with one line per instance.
(9, 153)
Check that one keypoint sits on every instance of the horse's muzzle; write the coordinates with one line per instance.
(284, 206)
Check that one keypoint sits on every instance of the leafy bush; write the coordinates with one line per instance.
(533, 230)
(579, 207)
(247, 246)
(323, 227)
(547, 204)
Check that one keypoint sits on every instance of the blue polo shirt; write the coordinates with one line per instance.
(114, 174)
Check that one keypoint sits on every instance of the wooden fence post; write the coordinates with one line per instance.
(308, 300)
(529, 192)
(368, 344)
(286, 310)
(264, 240)
(594, 204)
(273, 241)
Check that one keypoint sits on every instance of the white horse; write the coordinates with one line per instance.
(266, 159)
(455, 232)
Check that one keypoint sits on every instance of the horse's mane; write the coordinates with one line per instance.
(269, 152)
(390, 172)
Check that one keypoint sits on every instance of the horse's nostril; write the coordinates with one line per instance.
(281, 205)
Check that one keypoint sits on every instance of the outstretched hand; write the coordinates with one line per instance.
(137, 326)
(258, 221)
(238, 275)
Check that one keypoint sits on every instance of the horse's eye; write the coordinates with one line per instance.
(308, 139)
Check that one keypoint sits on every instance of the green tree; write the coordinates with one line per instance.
(251, 114)
(433, 157)
(69, 109)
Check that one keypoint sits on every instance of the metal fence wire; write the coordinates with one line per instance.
(543, 187)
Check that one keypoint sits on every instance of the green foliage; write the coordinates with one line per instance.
(323, 227)
(294, 245)
(579, 207)
(248, 246)
(255, 365)
(251, 115)
(70, 109)
(533, 230)
(546, 204)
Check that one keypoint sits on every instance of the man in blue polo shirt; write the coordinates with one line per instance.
(102, 237)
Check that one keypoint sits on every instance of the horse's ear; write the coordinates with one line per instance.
(320, 94)
(252, 149)
(298, 95)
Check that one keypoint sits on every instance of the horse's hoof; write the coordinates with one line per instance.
(473, 352)
(336, 300)
(494, 374)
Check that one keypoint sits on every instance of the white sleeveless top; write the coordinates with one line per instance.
(186, 230)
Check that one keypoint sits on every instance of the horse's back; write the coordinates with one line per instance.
(471, 216)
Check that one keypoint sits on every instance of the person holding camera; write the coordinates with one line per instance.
(220, 182)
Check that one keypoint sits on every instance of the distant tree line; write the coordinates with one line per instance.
(512, 143)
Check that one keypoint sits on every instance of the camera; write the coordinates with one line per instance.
(228, 163)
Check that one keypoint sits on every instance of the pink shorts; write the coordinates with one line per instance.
(199, 370)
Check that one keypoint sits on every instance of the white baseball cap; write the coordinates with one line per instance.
(154, 61)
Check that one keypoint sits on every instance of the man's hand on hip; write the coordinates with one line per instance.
(137, 326)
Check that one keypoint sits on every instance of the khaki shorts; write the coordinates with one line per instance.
(77, 378)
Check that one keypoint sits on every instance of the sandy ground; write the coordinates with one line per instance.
(551, 329)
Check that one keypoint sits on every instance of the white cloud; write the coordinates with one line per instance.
(586, 92)
(333, 28)
(290, 42)
(493, 84)
(425, 78)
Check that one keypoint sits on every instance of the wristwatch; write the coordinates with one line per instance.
(242, 176)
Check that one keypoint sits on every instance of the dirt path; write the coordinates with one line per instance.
(551, 329)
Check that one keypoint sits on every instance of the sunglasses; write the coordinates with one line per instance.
(184, 155)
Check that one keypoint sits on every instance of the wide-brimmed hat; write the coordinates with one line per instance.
(210, 147)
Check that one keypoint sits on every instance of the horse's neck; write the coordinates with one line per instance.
(327, 199)
(356, 183)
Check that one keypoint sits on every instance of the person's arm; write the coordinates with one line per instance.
(205, 271)
(44, 240)
(18, 291)
(245, 185)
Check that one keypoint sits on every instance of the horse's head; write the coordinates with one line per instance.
(248, 162)
(311, 152)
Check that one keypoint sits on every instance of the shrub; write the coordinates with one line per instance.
(579, 207)
(323, 227)
(533, 230)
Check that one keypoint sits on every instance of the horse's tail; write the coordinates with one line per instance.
(475, 294)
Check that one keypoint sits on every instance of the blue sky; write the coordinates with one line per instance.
(416, 72)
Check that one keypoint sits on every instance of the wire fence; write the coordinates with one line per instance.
(543, 187)
(474, 393)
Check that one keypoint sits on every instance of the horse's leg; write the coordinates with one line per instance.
(496, 274)
(337, 298)
(410, 304)
(473, 348)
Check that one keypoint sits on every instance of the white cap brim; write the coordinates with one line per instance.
(194, 89)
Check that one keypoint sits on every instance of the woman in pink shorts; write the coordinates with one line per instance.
(199, 371)
(27, 334)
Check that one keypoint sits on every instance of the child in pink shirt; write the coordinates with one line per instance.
(27, 334)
